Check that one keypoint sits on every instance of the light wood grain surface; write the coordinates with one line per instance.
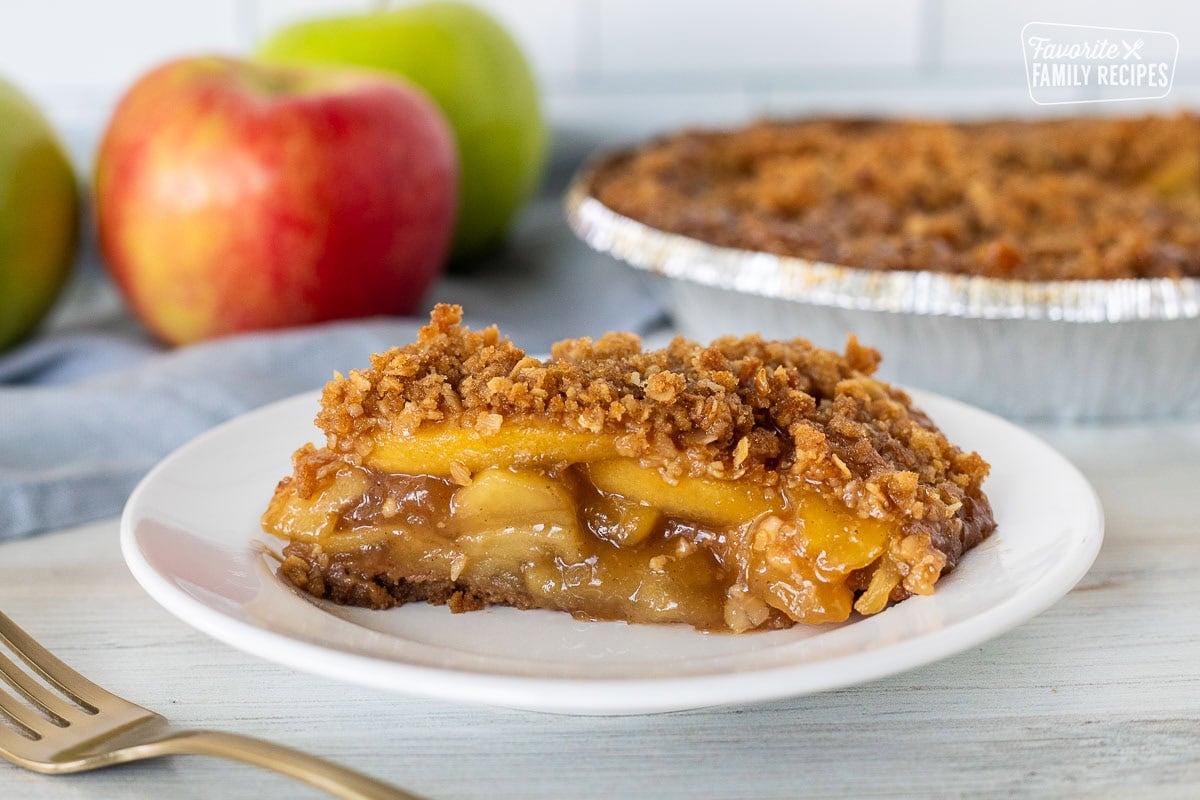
(1099, 696)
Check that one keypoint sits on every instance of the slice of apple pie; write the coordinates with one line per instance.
(744, 485)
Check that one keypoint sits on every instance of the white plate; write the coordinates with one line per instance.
(190, 535)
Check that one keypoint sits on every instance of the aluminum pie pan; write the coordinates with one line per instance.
(1059, 350)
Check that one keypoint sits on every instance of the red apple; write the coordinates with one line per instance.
(232, 196)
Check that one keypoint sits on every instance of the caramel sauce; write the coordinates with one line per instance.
(601, 541)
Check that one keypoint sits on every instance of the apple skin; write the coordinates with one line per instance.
(478, 76)
(39, 216)
(233, 196)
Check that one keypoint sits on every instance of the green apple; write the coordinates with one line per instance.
(474, 70)
(39, 216)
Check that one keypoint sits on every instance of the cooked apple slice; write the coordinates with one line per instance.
(705, 500)
(446, 450)
(510, 517)
(313, 518)
(621, 522)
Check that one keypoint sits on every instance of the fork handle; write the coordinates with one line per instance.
(325, 775)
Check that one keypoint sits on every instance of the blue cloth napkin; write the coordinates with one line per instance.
(74, 447)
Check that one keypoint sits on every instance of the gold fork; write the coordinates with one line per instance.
(82, 727)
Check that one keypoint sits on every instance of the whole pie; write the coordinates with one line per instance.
(741, 485)
(1063, 199)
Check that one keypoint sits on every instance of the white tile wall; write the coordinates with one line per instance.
(988, 33)
(68, 44)
(616, 69)
(727, 40)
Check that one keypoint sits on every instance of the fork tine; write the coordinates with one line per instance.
(76, 687)
(22, 715)
(34, 692)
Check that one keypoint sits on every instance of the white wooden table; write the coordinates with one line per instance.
(1099, 696)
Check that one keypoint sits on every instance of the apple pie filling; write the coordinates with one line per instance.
(602, 539)
(745, 485)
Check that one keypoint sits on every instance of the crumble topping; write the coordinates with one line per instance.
(1067, 199)
(740, 408)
